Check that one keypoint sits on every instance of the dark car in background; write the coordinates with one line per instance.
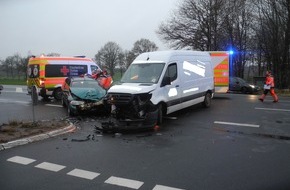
(240, 85)
(83, 94)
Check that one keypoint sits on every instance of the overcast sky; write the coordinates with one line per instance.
(78, 27)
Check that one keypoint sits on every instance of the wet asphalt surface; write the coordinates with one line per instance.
(238, 143)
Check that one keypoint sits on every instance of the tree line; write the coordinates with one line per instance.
(109, 56)
(258, 32)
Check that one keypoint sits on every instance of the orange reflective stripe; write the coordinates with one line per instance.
(219, 54)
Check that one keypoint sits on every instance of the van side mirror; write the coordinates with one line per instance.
(165, 81)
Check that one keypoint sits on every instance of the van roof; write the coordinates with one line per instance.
(60, 58)
(165, 56)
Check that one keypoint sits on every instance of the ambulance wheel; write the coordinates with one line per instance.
(207, 100)
(57, 94)
(160, 114)
(34, 96)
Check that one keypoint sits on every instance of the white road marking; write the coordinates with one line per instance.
(128, 183)
(236, 124)
(21, 160)
(83, 174)
(52, 105)
(19, 90)
(124, 182)
(272, 109)
(161, 187)
(50, 166)
(14, 101)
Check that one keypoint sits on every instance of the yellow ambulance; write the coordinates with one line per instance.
(45, 75)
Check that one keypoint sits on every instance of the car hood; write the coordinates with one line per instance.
(88, 93)
(132, 88)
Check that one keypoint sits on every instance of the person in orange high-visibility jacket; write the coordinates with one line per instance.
(269, 87)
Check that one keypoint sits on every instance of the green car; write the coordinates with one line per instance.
(83, 94)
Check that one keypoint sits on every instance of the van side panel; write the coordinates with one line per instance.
(196, 78)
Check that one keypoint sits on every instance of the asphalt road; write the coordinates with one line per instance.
(16, 105)
(238, 143)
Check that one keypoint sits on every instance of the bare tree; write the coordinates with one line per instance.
(143, 45)
(238, 29)
(273, 35)
(129, 57)
(140, 46)
(196, 24)
(211, 25)
(109, 56)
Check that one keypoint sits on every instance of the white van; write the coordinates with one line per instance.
(159, 83)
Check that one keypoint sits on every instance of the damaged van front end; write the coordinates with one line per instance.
(132, 110)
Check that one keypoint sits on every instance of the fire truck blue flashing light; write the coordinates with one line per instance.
(231, 52)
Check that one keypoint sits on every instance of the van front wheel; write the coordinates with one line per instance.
(207, 100)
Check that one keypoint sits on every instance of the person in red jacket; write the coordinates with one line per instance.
(269, 87)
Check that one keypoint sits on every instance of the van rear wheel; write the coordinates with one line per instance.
(207, 100)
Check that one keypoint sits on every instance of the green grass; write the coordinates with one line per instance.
(4, 81)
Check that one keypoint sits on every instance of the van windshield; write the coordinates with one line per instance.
(143, 73)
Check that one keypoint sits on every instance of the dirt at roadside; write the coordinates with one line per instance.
(17, 130)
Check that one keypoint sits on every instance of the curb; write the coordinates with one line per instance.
(36, 138)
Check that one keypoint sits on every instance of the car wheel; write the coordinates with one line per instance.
(244, 90)
(160, 114)
(207, 100)
(57, 94)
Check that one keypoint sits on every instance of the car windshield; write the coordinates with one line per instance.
(143, 73)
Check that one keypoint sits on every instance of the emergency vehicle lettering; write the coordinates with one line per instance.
(65, 70)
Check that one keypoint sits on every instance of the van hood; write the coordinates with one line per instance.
(132, 88)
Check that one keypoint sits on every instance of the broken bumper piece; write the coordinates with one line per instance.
(129, 124)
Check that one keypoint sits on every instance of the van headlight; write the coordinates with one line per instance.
(77, 103)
